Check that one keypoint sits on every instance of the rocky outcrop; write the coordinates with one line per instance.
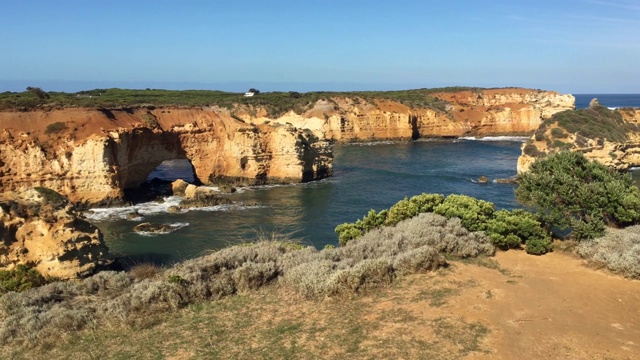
(42, 229)
(494, 112)
(611, 137)
(100, 153)
(94, 155)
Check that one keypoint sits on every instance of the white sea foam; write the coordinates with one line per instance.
(495, 138)
(135, 212)
(172, 227)
(139, 211)
(371, 143)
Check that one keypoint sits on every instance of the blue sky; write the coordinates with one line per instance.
(577, 46)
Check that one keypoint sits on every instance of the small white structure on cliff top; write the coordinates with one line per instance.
(249, 93)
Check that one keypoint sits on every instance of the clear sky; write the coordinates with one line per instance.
(571, 46)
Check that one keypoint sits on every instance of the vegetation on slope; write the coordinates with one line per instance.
(118, 298)
(571, 193)
(506, 229)
(574, 128)
(276, 103)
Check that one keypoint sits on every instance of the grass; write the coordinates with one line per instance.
(276, 103)
(270, 324)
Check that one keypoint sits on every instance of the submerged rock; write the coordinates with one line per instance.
(150, 228)
(483, 179)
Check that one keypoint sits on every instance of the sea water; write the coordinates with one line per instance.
(366, 176)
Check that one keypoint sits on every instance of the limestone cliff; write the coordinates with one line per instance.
(41, 229)
(611, 137)
(92, 155)
(494, 112)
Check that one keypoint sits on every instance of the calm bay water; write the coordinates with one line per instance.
(372, 176)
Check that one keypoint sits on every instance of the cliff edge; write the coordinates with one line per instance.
(611, 137)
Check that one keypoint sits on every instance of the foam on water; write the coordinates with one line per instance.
(371, 143)
(495, 138)
(153, 208)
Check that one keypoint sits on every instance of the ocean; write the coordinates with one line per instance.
(366, 176)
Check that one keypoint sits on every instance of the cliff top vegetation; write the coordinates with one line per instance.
(276, 103)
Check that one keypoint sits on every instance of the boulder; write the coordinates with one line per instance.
(150, 228)
(178, 187)
(174, 209)
(42, 229)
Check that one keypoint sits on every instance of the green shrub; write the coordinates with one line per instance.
(558, 133)
(372, 220)
(150, 121)
(538, 246)
(347, 232)
(20, 279)
(403, 209)
(474, 213)
(509, 229)
(570, 192)
(426, 202)
(55, 127)
(531, 150)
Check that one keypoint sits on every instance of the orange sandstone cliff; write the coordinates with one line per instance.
(491, 112)
(93, 155)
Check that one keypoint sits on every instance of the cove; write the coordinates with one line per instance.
(366, 176)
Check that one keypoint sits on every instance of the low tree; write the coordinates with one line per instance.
(41, 94)
(572, 193)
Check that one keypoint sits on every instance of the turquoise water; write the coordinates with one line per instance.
(371, 176)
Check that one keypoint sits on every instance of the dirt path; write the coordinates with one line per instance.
(549, 307)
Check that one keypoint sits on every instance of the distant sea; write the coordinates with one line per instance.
(366, 176)
(608, 100)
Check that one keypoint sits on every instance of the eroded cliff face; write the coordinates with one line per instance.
(93, 155)
(42, 230)
(469, 113)
(619, 154)
(96, 154)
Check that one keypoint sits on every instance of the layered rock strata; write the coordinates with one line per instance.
(93, 155)
(98, 154)
(43, 230)
(495, 112)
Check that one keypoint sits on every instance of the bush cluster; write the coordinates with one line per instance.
(20, 279)
(507, 229)
(571, 193)
(55, 127)
(618, 250)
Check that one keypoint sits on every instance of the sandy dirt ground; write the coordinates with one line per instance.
(548, 307)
